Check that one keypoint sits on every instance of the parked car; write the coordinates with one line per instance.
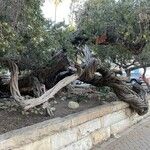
(136, 77)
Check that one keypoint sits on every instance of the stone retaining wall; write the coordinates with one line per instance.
(78, 131)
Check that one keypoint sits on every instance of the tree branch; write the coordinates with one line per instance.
(50, 93)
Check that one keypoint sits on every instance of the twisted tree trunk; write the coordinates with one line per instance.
(27, 104)
(14, 83)
(137, 101)
(124, 93)
(87, 74)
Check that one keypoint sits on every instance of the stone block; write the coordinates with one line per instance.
(87, 115)
(135, 118)
(129, 112)
(28, 134)
(63, 138)
(118, 105)
(113, 118)
(120, 126)
(83, 144)
(101, 135)
(93, 113)
(43, 144)
(88, 127)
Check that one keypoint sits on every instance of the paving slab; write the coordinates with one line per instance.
(135, 138)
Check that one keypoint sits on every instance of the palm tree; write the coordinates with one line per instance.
(56, 3)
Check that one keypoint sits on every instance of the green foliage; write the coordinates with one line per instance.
(21, 28)
(122, 18)
(26, 34)
(144, 57)
(9, 39)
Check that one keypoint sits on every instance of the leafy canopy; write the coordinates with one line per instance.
(129, 19)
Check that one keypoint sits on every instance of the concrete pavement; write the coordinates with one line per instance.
(135, 138)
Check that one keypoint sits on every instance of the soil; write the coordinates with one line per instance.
(13, 118)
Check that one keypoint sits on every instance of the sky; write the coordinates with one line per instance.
(63, 10)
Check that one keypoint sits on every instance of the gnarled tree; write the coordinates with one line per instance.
(59, 72)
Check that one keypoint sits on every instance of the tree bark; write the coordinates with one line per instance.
(27, 104)
(124, 93)
(14, 83)
(30, 103)
(137, 101)
(46, 75)
(87, 75)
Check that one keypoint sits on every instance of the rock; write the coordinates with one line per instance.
(73, 105)
(12, 109)
(25, 112)
(55, 102)
(53, 108)
(41, 112)
(116, 136)
(4, 107)
(8, 103)
(63, 98)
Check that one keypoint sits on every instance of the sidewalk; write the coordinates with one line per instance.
(136, 138)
